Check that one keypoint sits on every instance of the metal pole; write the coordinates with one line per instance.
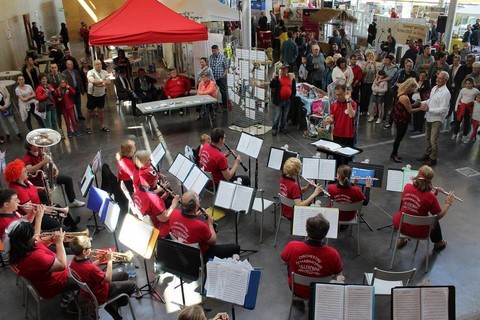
(452, 12)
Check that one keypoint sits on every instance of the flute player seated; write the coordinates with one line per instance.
(291, 189)
(147, 200)
(104, 285)
(190, 225)
(419, 200)
(345, 192)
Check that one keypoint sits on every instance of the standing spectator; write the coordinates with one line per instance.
(6, 113)
(476, 26)
(357, 78)
(176, 86)
(436, 109)
(312, 258)
(310, 43)
(301, 41)
(411, 53)
(465, 51)
(54, 78)
(440, 64)
(98, 80)
(393, 14)
(85, 33)
(342, 73)
(284, 91)
(66, 98)
(327, 75)
(122, 63)
(64, 34)
(47, 95)
(389, 45)
(424, 89)
(27, 103)
(74, 80)
(464, 108)
(68, 56)
(369, 70)
(391, 70)
(432, 33)
(273, 20)
(263, 22)
(289, 51)
(379, 88)
(455, 51)
(219, 66)
(454, 83)
(56, 54)
(144, 86)
(84, 68)
(31, 72)
(475, 74)
(372, 31)
(475, 120)
(204, 68)
(467, 34)
(404, 74)
(345, 46)
(335, 38)
(302, 70)
(38, 37)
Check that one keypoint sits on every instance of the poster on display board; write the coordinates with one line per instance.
(403, 31)
(291, 15)
(308, 25)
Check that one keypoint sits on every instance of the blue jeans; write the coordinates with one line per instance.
(281, 110)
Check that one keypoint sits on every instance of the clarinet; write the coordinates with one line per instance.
(235, 156)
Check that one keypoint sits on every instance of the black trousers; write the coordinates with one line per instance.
(401, 131)
(418, 121)
(345, 142)
(120, 284)
(366, 92)
(67, 182)
(31, 112)
(466, 123)
(436, 233)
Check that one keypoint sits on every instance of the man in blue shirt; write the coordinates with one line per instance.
(219, 66)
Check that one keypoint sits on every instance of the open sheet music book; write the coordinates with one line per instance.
(277, 157)
(138, 236)
(234, 196)
(337, 301)
(335, 147)
(158, 154)
(425, 303)
(302, 213)
(87, 180)
(397, 179)
(227, 280)
(316, 168)
(192, 177)
(249, 145)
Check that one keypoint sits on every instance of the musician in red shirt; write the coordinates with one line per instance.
(125, 165)
(104, 285)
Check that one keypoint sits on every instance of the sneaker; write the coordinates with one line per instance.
(81, 117)
(387, 126)
(77, 134)
(69, 135)
(371, 119)
(76, 203)
(439, 246)
(464, 139)
(454, 137)
(181, 112)
(378, 121)
(19, 137)
(105, 129)
(401, 243)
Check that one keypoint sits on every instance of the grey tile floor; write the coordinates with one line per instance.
(456, 265)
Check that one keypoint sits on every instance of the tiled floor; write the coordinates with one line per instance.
(456, 265)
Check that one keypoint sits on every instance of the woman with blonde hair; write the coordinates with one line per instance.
(401, 113)
(125, 165)
(291, 189)
(419, 200)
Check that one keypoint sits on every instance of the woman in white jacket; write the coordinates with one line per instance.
(342, 74)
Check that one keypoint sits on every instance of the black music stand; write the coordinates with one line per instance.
(85, 186)
(250, 145)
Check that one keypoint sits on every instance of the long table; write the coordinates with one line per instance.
(148, 109)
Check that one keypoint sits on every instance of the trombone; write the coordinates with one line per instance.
(48, 236)
(99, 254)
(50, 210)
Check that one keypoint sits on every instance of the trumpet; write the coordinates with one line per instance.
(315, 185)
(99, 254)
(235, 156)
(439, 189)
(50, 210)
(48, 236)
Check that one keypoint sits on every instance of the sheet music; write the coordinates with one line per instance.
(394, 180)
(158, 154)
(244, 69)
(329, 301)
(358, 302)
(111, 218)
(236, 98)
(196, 180)
(230, 80)
(406, 303)
(2, 161)
(243, 143)
(142, 231)
(327, 145)
(347, 151)
(249, 145)
(407, 177)
(242, 198)
(250, 103)
(181, 167)
(212, 285)
(225, 193)
(302, 213)
(434, 303)
(260, 74)
(275, 159)
(86, 180)
(310, 168)
(250, 113)
(235, 285)
(327, 169)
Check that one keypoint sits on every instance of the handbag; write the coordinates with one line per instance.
(42, 106)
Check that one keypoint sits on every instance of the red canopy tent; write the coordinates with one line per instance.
(143, 22)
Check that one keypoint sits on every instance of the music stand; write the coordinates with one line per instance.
(237, 198)
(109, 214)
(2, 166)
(96, 196)
(278, 156)
(251, 146)
(142, 243)
(302, 213)
(157, 155)
(191, 176)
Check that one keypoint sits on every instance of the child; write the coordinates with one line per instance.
(204, 139)
(66, 97)
(379, 88)
(302, 71)
(104, 285)
(6, 113)
(464, 108)
(475, 119)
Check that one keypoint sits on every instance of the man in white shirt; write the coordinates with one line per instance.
(98, 80)
(436, 109)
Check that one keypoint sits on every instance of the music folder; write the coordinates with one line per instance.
(249, 145)
(317, 168)
(138, 236)
(96, 198)
(397, 179)
(87, 180)
(158, 154)
(329, 146)
(278, 156)
(191, 176)
(363, 169)
(234, 197)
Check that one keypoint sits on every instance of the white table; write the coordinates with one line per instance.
(10, 74)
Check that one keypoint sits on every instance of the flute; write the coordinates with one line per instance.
(315, 185)
(233, 154)
(364, 178)
(446, 193)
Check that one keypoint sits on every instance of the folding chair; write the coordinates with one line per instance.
(355, 206)
(384, 281)
(287, 202)
(418, 221)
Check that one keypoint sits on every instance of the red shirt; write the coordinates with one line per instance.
(35, 267)
(150, 204)
(285, 87)
(310, 259)
(143, 177)
(177, 88)
(68, 100)
(25, 193)
(214, 161)
(416, 203)
(191, 229)
(30, 159)
(290, 189)
(344, 125)
(345, 195)
(357, 73)
(93, 276)
(126, 168)
(5, 220)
